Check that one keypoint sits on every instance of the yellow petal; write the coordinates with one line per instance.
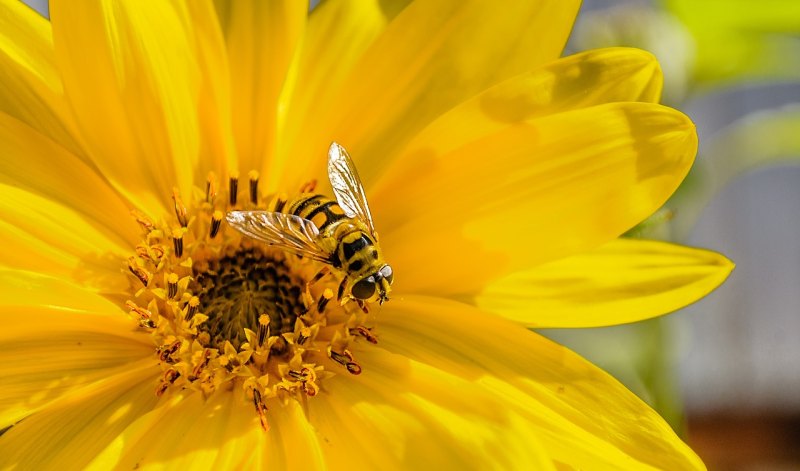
(533, 192)
(571, 83)
(221, 432)
(31, 90)
(35, 163)
(27, 289)
(145, 94)
(336, 36)
(72, 430)
(261, 39)
(578, 81)
(432, 56)
(48, 351)
(44, 236)
(407, 415)
(583, 417)
(624, 281)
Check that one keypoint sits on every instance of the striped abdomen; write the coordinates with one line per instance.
(319, 209)
(350, 245)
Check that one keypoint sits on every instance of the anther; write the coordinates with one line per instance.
(299, 375)
(303, 336)
(253, 175)
(165, 352)
(308, 186)
(145, 316)
(142, 252)
(191, 307)
(199, 368)
(279, 202)
(310, 388)
(310, 384)
(158, 253)
(140, 273)
(177, 242)
(345, 359)
(180, 209)
(216, 222)
(261, 409)
(263, 329)
(172, 285)
(211, 188)
(143, 221)
(364, 332)
(170, 376)
(233, 188)
(327, 295)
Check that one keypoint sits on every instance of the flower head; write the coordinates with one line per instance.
(140, 329)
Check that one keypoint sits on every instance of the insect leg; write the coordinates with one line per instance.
(308, 299)
(363, 305)
(340, 293)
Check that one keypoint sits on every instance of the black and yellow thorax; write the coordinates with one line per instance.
(348, 240)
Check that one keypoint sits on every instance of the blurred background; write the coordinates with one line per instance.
(724, 372)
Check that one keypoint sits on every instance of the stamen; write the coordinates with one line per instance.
(253, 186)
(298, 375)
(308, 186)
(143, 221)
(165, 352)
(172, 285)
(199, 368)
(216, 222)
(192, 306)
(139, 272)
(169, 378)
(211, 188)
(180, 209)
(261, 409)
(263, 329)
(327, 295)
(233, 189)
(145, 317)
(303, 336)
(158, 253)
(366, 333)
(177, 242)
(142, 252)
(278, 202)
(345, 359)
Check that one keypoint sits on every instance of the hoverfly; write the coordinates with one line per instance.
(340, 233)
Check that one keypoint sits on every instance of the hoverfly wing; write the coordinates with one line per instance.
(347, 186)
(283, 231)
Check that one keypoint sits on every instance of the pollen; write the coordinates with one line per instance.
(227, 312)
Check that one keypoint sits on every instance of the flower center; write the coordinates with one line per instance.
(237, 289)
(224, 310)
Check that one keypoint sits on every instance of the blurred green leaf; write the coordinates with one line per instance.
(738, 39)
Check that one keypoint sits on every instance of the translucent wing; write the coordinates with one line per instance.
(284, 231)
(347, 186)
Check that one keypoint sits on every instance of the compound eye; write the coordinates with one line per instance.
(364, 289)
(386, 272)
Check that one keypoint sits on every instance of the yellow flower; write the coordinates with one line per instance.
(499, 177)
